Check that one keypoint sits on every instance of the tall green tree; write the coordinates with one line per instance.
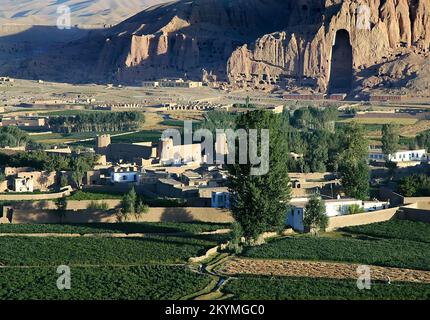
(61, 205)
(128, 203)
(390, 139)
(423, 140)
(352, 162)
(260, 202)
(317, 154)
(80, 166)
(355, 180)
(315, 214)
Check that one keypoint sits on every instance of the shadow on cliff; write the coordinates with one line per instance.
(216, 30)
(46, 52)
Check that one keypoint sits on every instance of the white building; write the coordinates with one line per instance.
(333, 208)
(23, 185)
(400, 156)
(409, 156)
(125, 175)
(150, 84)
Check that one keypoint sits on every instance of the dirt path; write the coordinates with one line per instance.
(310, 269)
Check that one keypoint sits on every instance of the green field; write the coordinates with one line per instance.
(85, 195)
(102, 283)
(286, 288)
(381, 121)
(50, 251)
(129, 228)
(65, 137)
(389, 248)
(395, 229)
(173, 123)
(155, 267)
(105, 268)
(142, 136)
(152, 202)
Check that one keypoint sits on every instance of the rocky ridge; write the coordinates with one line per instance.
(263, 44)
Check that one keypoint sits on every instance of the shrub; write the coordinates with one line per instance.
(354, 209)
(417, 185)
(94, 205)
(235, 243)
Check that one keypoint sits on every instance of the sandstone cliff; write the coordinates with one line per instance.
(392, 29)
(266, 44)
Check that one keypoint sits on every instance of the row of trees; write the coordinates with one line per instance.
(423, 140)
(99, 122)
(392, 142)
(417, 185)
(13, 137)
(131, 206)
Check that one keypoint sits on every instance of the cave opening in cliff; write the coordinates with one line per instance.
(341, 74)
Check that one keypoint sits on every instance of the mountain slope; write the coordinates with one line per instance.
(89, 12)
(317, 45)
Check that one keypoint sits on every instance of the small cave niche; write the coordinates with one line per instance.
(341, 74)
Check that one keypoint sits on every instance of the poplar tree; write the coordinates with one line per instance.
(352, 162)
(390, 139)
(260, 202)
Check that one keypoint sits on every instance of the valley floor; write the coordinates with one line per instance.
(107, 262)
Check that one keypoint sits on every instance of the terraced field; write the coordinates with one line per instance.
(325, 267)
(99, 228)
(288, 288)
(158, 267)
(102, 283)
(105, 268)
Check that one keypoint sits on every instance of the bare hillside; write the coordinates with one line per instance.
(91, 12)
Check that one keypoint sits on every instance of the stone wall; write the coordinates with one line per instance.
(361, 219)
(420, 202)
(413, 213)
(154, 215)
(34, 196)
(72, 205)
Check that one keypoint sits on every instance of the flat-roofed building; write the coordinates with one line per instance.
(333, 208)
(23, 185)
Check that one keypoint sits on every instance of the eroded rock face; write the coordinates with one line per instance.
(185, 37)
(257, 43)
(379, 30)
(266, 44)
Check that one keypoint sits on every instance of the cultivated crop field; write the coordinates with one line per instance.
(105, 267)
(50, 251)
(287, 288)
(128, 228)
(388, 249)
(395, 229)
(102, 283)
(142, 136)
(389, 253)
(381, 121)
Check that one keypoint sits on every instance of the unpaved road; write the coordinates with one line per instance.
(311, 269)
